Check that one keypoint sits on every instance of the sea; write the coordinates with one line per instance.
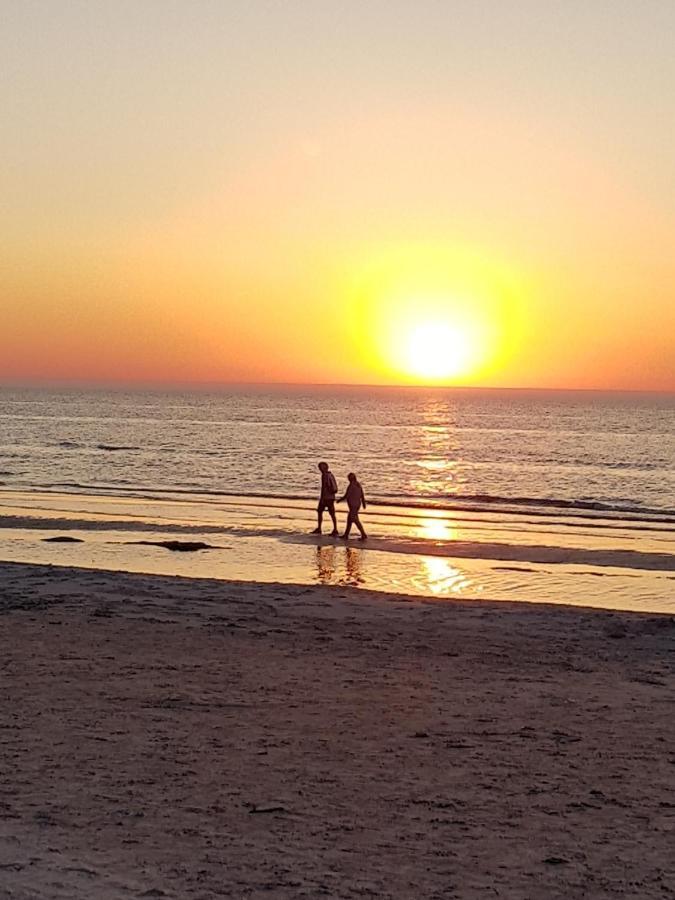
(539, 496)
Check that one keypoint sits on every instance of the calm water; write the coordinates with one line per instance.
(557, 497)
(602, 451)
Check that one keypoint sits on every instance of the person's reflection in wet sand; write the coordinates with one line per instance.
(325, 564)
(330, 559)
(353, 560)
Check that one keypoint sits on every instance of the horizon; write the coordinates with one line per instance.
(217, 387)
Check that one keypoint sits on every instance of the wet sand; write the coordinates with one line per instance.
(180, 738)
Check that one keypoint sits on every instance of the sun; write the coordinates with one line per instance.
(434, 314)
(438, 350)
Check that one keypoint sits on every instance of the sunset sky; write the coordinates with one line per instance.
(469, 192)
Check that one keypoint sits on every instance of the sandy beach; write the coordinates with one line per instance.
(180, 738)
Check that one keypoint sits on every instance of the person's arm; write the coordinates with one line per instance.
(363, 498)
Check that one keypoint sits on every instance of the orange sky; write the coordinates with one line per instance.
(290, 193)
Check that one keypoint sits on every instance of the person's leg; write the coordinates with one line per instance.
(331, 512)
(319, 515)
(357, 522)
(348, 527)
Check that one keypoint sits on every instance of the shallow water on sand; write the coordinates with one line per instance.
(426, 552)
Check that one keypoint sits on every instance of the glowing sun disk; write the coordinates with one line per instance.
(437, 349)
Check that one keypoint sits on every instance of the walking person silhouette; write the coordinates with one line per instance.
(329, 490)
(355, 500)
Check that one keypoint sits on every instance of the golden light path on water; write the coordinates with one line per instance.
(444, 578)
(436, 529)
(434, 574)
(435, 458)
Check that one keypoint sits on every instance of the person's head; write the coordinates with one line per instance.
(323, 466)
(351, 476)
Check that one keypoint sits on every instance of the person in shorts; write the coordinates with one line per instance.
(329, 490)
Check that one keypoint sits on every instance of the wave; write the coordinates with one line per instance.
(114, 447)
(74, 445)
(585, 504)
(638, 467)
(68, 523)
(443, 502)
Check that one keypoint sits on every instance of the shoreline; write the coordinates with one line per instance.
(473, 556)
(639, 560)
(589, 512)
(12, 571)
(195, 738)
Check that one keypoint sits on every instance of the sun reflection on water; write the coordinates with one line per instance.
(434, 465)
(436, 458)
(430, 575)
(440, 577)
(436, 529)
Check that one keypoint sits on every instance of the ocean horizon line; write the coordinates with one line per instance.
(222, 386)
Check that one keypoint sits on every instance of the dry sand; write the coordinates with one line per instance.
(163, 737)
